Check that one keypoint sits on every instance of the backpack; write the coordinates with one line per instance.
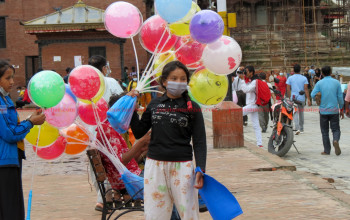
(263, 93)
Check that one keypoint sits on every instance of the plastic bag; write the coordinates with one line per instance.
(221, 204)
(119, 115)
(133, 184)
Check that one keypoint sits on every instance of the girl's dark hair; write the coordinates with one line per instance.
(4, 66)
(170, 67)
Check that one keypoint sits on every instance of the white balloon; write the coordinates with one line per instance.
(223, 56)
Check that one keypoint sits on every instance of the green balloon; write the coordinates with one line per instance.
(46, 88)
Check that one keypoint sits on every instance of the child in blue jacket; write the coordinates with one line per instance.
(12, 133)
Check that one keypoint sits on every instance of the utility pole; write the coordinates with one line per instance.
(227, 118)
(222, 11)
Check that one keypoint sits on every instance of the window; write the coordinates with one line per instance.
(2, 32)
(97, 51)
(32, 66)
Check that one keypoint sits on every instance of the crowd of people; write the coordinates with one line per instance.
(318, 85)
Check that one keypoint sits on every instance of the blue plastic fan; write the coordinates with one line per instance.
(221, 204)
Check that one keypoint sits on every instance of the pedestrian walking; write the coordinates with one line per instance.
(281, 85)
(295, 84)
(112, 86)
(248, 86)
(264, 111)
(241, 96)
(66, 77)
(347, 101)
(169, 172)
(331, 108)
(12, 133)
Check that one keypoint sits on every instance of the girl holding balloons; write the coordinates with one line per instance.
(169, 172)
(12, 134)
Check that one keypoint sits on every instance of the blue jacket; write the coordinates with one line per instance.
(331, 95)
(10, 132)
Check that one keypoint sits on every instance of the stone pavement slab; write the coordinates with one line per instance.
(310, 146)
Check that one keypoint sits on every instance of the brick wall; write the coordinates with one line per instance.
(20, 45)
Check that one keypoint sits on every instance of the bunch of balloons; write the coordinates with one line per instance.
(180, 30)
(72, 110)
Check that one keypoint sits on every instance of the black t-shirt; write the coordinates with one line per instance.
(308, 77)
(173, 126)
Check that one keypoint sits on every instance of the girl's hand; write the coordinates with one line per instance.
(133, 93)
(37, 118)
(199, 181)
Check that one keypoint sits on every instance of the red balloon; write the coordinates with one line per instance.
(86, 112)
(151, 33)
(54, 151)
(84, 81)
(190, 53)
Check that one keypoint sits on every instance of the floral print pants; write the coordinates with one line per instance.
(167, 183)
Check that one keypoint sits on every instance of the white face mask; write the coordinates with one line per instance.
(135, 79)
(3, 92)
(18, 91)
(281, 74)
(176, 88)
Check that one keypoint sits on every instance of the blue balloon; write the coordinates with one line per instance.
(173, 10)
(206, 27)
(69, 92)
(222, 205)
(119, 115)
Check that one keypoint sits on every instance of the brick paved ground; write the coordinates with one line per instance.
(61, 189)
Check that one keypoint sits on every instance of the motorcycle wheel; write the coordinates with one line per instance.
(282, 146)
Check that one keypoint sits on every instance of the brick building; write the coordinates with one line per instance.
(51, 34)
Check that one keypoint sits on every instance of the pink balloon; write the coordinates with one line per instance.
(123, 19)
(54, 151)
(151, 33)
(190, 52)
(223, 56)
(86, 112)
(63, 114)
(84, 81)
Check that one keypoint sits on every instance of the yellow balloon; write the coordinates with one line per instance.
(160, 61)
(100, 92)
(48, 135)
(208, 88)
(182, 27)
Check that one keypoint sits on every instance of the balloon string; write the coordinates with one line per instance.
(155, 50)
(120, 166)
(149, 88)
(29, 209)
(146, 91)
(137, 59)
(154, 72)
(152, 80)
(152, 61)
(91, 137)
(100, 128)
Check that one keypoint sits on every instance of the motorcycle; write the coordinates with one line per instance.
(282, 136)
